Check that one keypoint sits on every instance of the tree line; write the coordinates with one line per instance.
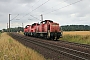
(16, 29)
(64, 28)
(76, 28)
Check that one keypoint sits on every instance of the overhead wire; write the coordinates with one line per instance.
(56, 5)
(61, 2)
(31, 6)
(14, 17)
(34, 17)
(48, 12)
(32, 11)
(35, 3)
(36, 8)
(64, 6)
(40, 5)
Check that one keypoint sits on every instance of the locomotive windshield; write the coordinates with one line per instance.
(55, 24)
(27, 26)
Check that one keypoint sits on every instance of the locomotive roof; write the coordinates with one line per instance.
(35, 23)
(47, 20)
(28, 25)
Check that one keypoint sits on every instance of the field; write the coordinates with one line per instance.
(13, 50)
(82, 37)
(76, 33)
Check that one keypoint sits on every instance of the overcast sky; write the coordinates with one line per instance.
(65, 12)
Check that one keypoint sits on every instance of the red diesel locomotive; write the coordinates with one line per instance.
(46, 29)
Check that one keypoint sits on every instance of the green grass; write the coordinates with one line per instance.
(77, 38)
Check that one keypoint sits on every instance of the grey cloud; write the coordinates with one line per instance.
(5, 1)
(74, 14)
(23, 1)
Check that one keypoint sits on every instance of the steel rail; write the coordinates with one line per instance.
(60, 49)
(77, 44)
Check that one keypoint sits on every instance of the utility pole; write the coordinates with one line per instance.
(9, 22)
(22, 25)
(41, 17)
(7, 27)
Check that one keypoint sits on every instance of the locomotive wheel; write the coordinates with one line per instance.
(55, 38)
(48, 38)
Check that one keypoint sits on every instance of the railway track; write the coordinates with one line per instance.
(76, 54)
(77, 44)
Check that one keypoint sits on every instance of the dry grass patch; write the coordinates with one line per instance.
(13, 50)
(76, 33)
(77, 39)
(82, 37)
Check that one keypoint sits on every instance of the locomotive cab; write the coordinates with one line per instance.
(55, 32)
(34, 29)
(27, 30)
(52, 29)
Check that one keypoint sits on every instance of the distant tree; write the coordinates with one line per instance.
(4, 30)
(75, 28)
(14, 29)
(0, 30)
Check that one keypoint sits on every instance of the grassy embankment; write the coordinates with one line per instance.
(13, 50)
(82, 37)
